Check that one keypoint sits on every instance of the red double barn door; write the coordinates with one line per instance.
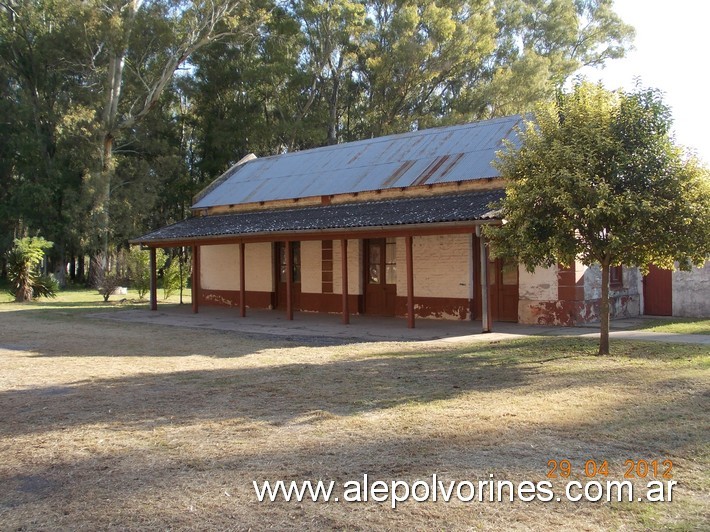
(658, 292)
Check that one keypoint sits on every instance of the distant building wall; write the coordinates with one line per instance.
(572, 296)
(691, 292)
(537, 295)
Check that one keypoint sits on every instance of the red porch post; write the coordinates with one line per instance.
(289, 280)
(486, 318)
(410, 282)
(344, 271)
(153, 281)
(195, 278)
(242, 281)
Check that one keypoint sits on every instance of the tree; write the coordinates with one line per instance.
(138, 266)
(23, 260)
(598, 179)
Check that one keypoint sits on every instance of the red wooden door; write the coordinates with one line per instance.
(503, 286)
(280, 266)
(380, 276)
(658, 292)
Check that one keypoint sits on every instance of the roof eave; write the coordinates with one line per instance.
(323, 234)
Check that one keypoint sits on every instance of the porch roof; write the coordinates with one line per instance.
(356, 216)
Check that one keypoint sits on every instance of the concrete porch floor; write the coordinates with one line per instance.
(328, 328)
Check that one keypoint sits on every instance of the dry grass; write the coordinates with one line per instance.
(135, 426)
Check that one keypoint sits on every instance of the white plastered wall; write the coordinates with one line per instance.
(219, 267)
(260, 267)
(691, 292)
(311, 265)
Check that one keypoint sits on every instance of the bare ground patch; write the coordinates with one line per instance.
(136, 426)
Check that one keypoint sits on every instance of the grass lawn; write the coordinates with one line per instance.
(129, 425)
(677, 325)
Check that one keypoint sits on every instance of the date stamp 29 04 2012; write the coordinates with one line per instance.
(641, 469)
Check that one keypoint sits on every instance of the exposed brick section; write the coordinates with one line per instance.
(327, 266)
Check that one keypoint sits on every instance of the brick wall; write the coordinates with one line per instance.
(441, 266)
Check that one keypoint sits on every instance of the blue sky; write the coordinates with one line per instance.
(671, 53)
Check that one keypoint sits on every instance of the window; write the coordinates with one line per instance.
(616, 277)
(391, 261)
(296, 262)
(382, 261)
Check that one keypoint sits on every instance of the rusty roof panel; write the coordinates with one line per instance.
(439, 155)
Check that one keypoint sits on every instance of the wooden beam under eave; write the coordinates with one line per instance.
(242, 281)
(195, 279)
(410, 282)
(344, 275)
(153, 280)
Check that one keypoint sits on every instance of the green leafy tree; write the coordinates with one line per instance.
(175, 275)
(138, 264)
(22, 265)
(598, 179)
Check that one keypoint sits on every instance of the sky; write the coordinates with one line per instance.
(671, 53)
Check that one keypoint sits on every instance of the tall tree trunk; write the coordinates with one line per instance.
(107, 176)
(72, 268)
(604, 333)
(81, 268)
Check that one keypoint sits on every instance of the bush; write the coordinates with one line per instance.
(102, 279)
(175, 276)
(22, 268)
(138, 263)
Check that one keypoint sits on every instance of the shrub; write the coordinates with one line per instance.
(22, 269)
(138, 262)
(102, 279)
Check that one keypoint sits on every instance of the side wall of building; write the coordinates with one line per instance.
(572, 296)
(691, 292)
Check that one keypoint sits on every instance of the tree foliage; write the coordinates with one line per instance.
(116, 112)
(597, 178)
(138, 266)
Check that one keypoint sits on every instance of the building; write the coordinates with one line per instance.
(387, 226)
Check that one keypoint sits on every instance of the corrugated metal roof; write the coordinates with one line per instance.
(467, 206)
(439, 155)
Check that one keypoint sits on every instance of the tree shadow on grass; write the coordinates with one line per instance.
(279, 393)
(134, 485)
(275, 394)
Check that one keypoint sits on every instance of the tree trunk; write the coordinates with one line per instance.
(81, 268)
(604, 332)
